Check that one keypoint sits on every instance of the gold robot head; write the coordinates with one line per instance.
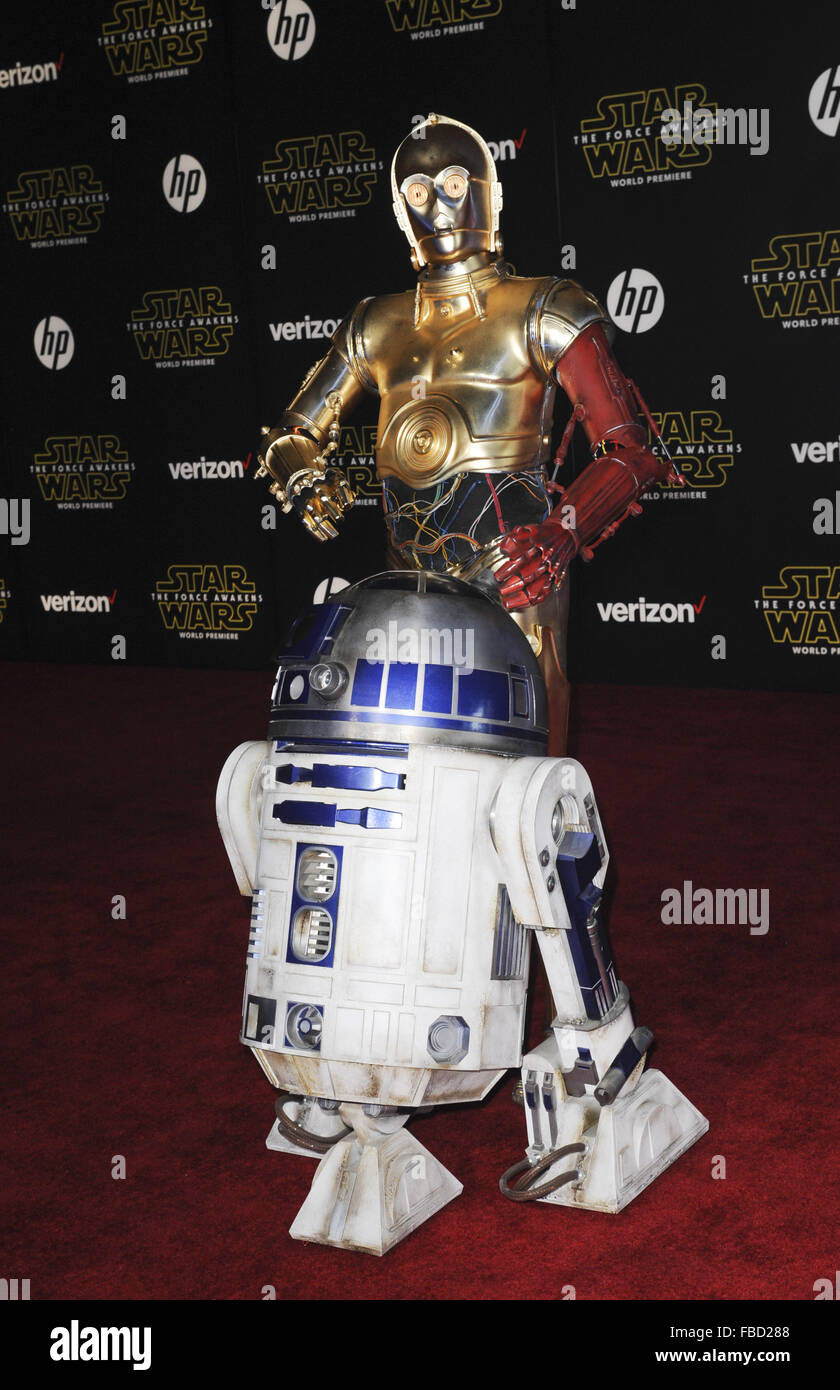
(447, 197)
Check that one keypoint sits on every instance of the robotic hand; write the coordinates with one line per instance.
(538, 560)
(304, 480)
(592, 509)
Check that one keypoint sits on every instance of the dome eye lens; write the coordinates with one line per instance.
(329, 679)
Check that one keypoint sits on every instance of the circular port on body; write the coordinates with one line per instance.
(303, 1026)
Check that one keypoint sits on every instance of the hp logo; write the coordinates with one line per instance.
(328, 587)
(635, 300)
(291, 29)
(54, 343)
(184, 183)
(824, 101)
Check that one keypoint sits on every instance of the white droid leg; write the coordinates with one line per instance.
(611, 1128)
(371, 1191)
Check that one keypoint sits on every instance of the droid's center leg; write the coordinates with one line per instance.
(372, 1190)
(305, 1125)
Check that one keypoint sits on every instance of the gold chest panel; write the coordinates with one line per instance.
(460, 390)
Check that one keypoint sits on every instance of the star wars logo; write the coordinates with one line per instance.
(56, 207)
(798, 281)
(82, 472)
(317, 177)
(800, 609)
(355, 457)
(207, 601)
(183, 327)
(430, 18)
(147, 39)
(622, 141)
(702, 447)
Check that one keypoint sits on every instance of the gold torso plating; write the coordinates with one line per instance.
(464, 368)
(461, 386)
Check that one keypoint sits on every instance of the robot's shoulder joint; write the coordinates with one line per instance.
(350, 341)
(560, 311)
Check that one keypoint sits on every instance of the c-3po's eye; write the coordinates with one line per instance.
(417, 194)
(454, 185)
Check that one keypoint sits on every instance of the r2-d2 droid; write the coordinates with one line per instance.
(404, 838)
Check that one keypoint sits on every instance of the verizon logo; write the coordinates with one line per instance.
(298, 329)
(78, 603)
(193, 471)
(643, 611)
(817, 452)
(25, 74)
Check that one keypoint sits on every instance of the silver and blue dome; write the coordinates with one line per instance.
(405, 658)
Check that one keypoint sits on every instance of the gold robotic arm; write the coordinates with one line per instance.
(304, 480)
(296, 453)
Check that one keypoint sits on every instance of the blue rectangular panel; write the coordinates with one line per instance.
(437, 690)
(401, 689)
(340, 617)
(304, 812)
(371, 817)
(367, 682)
(484, 695)
(363, 778)
(308, 631)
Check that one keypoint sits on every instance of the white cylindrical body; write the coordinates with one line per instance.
(413, 991)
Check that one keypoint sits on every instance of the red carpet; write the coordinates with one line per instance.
(121, 1035)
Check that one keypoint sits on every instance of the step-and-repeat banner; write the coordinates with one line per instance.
(194, 193)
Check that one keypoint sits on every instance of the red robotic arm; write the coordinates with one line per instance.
(597, 502)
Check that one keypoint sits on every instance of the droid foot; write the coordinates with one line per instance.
(617, 1149)
(371, 1191)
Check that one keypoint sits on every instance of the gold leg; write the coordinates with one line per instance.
(545, 624)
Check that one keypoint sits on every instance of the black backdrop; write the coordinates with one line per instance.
(172, 161)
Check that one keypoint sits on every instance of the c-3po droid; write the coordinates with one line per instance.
(466, 367)
(404, 837)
